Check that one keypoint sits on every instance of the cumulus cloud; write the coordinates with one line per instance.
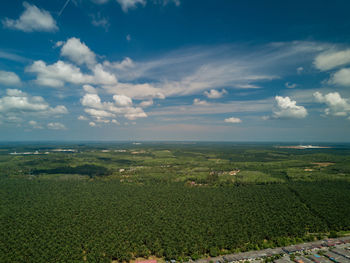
(9, 78)
(130, 4)
(122, 100)
(288, 109)
(89, 89)
(215, 94)
(103, 77)
(300, 70)
(34, 125)
(115, 121)
(329, 60)
(92, 124)
(126, 63)
(233, 120)
(99, 113)
(16, 101)
(78, 52)
(32, 19)
(57, 74)
(336, 105)
(82, 118)
(146, 103)
(103, 110)
(56, 126)
(197, 101)
(16, 105)
(341, 77)
(91, 100)
(135, 113)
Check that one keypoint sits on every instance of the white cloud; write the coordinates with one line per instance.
(92, 124)
(128, 37)
(136, 91)
(78, 52)
(126, 63)
(57, 74)
(89, 89)
(9, 78)
(82, 118)
(91, 100)
(146, 103)
(16, 102)
(99, 113)
(254, 106)
(197, 101)
(130, 4)
(56, 126)
(300, 70)
(32, 123)
(115, 121)
(122, 100)
(332, 59)
(13, 57)
(341, 77)
(289, 85)
(215, 94)
(247, 86)
(102, 120)
(135, 113)
(60, 109)
(287, 109)
(32, 19)
(99, 21)
(103, 77)
(35, 125)
(233, 120)
(122, 106)
(193, 71)
(336, 105)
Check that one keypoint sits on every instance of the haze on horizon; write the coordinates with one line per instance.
(175, 70)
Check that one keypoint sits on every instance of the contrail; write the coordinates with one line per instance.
(59, 14)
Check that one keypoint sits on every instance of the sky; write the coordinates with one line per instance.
(218, 70)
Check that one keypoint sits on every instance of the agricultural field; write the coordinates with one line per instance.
(122, 201)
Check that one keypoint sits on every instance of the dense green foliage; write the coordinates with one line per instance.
(86, 169)
(119, 202)
(330, 201)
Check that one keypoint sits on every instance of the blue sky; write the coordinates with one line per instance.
(175, 70)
